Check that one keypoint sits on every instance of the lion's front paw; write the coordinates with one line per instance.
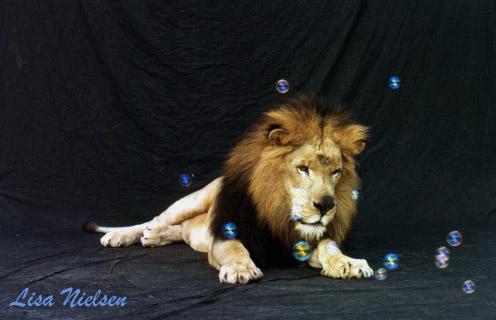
(239, 273)
(118, 239)
(336, 266)
(359, 269)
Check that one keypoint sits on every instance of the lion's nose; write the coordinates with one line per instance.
(325, 204)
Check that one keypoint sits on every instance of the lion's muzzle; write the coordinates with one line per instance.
(325, 204)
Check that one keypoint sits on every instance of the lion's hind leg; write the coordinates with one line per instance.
(191, 205)
(166, 227)
(193, 231)
(160, 234)
(117, 236)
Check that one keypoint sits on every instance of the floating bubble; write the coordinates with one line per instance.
(441, 264)
(454, 238)
(296, 212)
(355, 194)
(442, 250)
(380, 274)
(394, 82)
(302, 251)
(296, 216)
(469, 287)
(230, 231)
(441, 261)
(391, 261)
(332, 248)
(186, 179)
(282, 86)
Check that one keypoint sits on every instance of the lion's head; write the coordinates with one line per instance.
(299, 159)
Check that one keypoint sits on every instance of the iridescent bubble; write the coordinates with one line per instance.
(302, 251)
(380, 274)
(394, 82)
(454, 238)
(282, 86)
(443, 250)
(441, 264)
(355, 194)
(441, 261)
(296, 216)
(469, 287)
(230, 231)
(186, 179)
(296, 212)
(332, 248)
(391, 261)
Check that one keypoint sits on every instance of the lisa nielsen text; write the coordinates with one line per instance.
(71, 297)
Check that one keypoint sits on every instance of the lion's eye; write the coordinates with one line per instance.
(303, 169)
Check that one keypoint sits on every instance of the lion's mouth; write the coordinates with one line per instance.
(317, 223)
(324, 220)
(313, 230)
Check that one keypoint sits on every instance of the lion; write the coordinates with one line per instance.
(290, 178)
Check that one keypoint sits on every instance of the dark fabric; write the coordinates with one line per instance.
(175, 282)
(103, 104)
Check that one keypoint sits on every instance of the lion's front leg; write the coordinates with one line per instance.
(233, 261)
(335, 264)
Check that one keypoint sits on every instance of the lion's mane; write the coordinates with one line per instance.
(252, 195)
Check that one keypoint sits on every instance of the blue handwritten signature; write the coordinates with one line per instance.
(72, 298)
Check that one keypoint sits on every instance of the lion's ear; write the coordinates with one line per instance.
(352, 139)
(358, 147)
(279, 136)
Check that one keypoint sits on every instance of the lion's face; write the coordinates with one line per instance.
(299, 163)
(313, 173)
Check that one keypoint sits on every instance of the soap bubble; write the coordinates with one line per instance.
(443, 250)
(394, 82)
(391, 261)
(441, 264)
(380, 274)
(441, 261)
(230, 231)
(469, 287)
(355, 194)
(332, 248)
(186, 179)
(300, 197)
(295, 216)
(302, 251)
(454, 238)
(296, 212)
(282, 86)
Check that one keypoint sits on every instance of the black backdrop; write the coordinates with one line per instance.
(103, 104)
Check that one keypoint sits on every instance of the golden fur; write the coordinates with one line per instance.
(296, 146)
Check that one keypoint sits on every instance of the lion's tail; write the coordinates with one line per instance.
(95, 228)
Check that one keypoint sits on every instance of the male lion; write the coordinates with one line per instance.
(298, 157)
